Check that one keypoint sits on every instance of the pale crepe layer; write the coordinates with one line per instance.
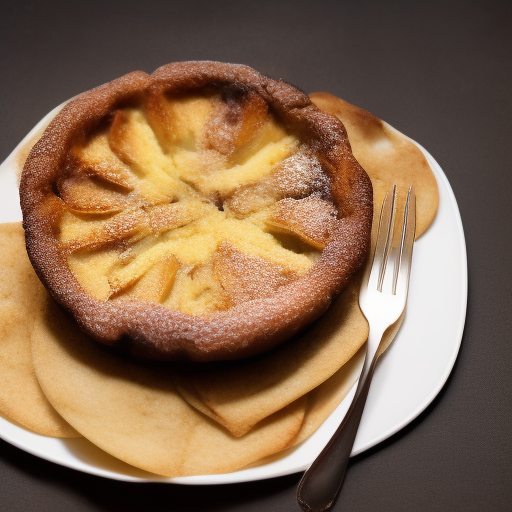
(21, 398)
(388, 157)
(322, 401)
(135, 413)
(240, 397)
(325, 398)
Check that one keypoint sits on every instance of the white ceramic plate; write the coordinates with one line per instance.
(408, 377)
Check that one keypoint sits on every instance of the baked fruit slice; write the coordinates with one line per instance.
(202, 212)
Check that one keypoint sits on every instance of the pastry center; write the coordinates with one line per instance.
(195, 202)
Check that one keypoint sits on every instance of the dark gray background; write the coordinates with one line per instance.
(438, 71)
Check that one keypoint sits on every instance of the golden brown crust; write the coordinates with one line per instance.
(149, 330)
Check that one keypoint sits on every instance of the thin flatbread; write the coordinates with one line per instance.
(21, 397)
(388, 157)
(135, 413)
(325, 398)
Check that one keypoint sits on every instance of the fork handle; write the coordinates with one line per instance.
(322, 482)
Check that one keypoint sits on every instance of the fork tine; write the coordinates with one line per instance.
(403, 267)
(384, 237)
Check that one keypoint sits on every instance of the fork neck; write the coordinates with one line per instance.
(372, 348)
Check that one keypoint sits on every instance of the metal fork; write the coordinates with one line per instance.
(382, 299)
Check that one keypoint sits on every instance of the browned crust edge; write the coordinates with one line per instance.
(151, 331)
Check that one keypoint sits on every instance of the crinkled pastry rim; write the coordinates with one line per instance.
(149, 330)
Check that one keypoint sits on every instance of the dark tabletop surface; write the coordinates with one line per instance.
(438, 71)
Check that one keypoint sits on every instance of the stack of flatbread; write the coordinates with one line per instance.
(179, 421)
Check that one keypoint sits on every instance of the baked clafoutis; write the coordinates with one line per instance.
(202, 212)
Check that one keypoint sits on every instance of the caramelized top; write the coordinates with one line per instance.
(204, 211)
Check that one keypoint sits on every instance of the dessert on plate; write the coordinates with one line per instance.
(202, 212)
